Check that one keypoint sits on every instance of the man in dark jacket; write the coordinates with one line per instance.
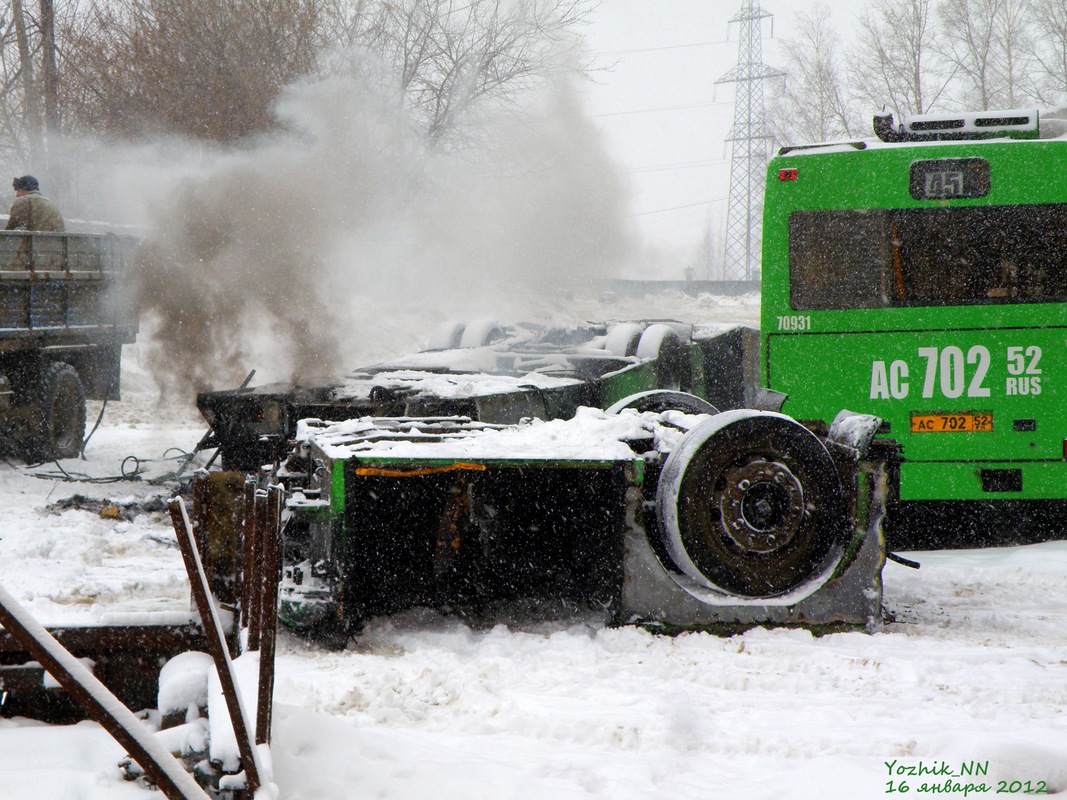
(32, 211)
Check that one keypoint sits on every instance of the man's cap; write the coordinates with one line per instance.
(27, 183)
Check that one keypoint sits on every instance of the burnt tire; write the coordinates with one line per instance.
(663, 344)
(750, 503)
(59, 422)
(447, 337)
(623, 339)
(481, 332)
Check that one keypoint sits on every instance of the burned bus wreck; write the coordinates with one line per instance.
(667, 519)
(494, 374)
(622, 468)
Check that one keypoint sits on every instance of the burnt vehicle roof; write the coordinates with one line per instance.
(501, 376)
(553, 352)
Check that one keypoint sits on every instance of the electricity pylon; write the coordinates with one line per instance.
(751, 140)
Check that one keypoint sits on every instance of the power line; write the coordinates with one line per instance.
(677, 208)
(661, 108)
(658, 49)
(679, 165)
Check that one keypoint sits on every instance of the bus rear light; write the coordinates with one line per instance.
(787, 174)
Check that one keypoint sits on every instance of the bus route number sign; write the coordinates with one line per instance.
(946, 178)
(961, 422)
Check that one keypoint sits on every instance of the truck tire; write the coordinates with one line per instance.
(750, 504)
(60, 416)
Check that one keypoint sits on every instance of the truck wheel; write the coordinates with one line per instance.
(750, 503)
(60, 417)
(660, 400)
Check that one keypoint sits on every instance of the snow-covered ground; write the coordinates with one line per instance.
(972, 672)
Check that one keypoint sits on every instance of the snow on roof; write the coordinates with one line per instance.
(877, 144)
(471, 359)
(592, 435)
(1051, 126)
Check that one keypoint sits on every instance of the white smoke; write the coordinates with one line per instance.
(302, 252)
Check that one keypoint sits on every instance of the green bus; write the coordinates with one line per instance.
(922, 277)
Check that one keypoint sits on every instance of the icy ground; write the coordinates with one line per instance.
(973, 671)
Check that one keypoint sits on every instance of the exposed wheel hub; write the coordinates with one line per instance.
(762, 505)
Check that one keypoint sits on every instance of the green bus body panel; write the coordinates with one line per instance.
(823, 373)
(869, 361)
(962, 481)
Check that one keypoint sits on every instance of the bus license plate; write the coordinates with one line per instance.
(963, 422)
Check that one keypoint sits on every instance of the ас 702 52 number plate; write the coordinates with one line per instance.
(961, 422)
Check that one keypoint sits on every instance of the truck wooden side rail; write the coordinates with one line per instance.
(63, 321)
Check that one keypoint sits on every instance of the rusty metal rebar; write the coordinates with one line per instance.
(216, 640)
(268, 610)
(248, 552)
(255, 577)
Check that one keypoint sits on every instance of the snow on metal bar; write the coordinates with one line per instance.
(158, 763)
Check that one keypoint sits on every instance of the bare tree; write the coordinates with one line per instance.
(206, 68)
(213, 68)
(29, 63)
(814, 104)
(1049, 50)
(707, 259)
(1014, 37)
(30, 96)
(985, 41)
(896, 59)
(13, 129)
(448, 56)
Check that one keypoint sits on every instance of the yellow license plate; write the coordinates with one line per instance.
(963, 422)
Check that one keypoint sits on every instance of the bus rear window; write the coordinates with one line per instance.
(927, 256)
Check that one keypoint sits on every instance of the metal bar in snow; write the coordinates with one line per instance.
(159, 765)
(268, 609)
(255, 577)
(248, 554)
(200, 488)
(216, 641)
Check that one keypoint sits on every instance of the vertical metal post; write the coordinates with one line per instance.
(255, 577)
(268, 610)
(248, 551)
(201, 488)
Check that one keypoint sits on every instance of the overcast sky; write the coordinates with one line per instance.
(664, 117)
